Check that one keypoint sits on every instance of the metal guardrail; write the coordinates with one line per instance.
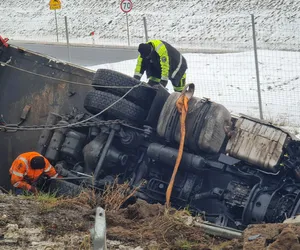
(98, 233)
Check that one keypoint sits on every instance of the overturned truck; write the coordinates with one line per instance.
(236, 170)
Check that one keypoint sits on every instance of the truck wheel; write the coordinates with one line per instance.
(157, 105)
(96, 101)
(142, 96)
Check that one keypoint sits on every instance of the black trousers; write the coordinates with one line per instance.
(178, 82)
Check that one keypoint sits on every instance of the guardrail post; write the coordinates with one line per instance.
(99, 231)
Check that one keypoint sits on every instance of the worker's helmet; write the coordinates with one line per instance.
(145, 50)
(37, 162)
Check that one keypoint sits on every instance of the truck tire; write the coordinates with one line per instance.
(142, 96)
(96, 101)
(157, 105)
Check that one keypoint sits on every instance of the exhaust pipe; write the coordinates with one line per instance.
(168, 156)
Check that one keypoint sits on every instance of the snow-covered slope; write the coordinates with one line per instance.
(214, 24)
(186, 23)
(235, 86)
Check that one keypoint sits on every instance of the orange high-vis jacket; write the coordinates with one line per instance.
(22, 175)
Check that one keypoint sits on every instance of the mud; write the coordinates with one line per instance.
(32, 223)
(26, 223)
(272, 237)
(151, 226)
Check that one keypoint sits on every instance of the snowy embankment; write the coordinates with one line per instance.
(226, 78)
(236, 87)
(195, 23)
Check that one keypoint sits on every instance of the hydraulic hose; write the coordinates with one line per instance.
(182, 106)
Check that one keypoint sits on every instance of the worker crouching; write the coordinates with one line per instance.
(26, 170)
(162, 62)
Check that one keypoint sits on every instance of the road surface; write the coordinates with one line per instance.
(89, 55)
(81, 55)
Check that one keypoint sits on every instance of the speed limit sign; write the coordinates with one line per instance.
(126, 6)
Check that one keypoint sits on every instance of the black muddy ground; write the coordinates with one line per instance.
(36, 223)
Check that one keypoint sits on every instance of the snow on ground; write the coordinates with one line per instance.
(194, 23)
(203, 24)
(235, 86)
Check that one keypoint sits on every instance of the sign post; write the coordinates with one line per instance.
(55, 5)
(126, 7)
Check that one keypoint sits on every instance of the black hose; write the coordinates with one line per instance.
(104, 152)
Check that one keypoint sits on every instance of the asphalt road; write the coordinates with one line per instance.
(81, 55)
(89, 55)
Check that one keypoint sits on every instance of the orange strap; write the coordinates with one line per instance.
(182, 106)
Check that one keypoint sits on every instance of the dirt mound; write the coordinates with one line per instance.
(152, 226)
(49, 223)
(29, 223)
(34, 223)
(272, 237)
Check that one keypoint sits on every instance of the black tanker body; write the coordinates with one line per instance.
(29, 80)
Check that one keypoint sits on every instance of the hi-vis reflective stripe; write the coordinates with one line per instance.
(162, 54)
(17, 184)
(154, 79)
(26, 163)
(18, 174)
(178, 67)
(55, 176)
(138, 67)
(158, 47)
(180, 88)
(48, 168)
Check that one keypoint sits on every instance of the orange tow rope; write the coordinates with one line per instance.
(182, 106)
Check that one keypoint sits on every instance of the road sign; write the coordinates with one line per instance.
(55, 4)
(126, 6)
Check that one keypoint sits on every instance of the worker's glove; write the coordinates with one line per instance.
(164, 83)
(33, 190)
(137, 77)
(58, 176)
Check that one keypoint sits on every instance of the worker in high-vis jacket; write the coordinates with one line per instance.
(26, 170)
(162, 62)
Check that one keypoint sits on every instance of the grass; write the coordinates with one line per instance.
(169, 227)
(177, 214)
(111, 199)
(40, 196)
(185, 244)
(188, 210)
(86, 243)
(46, 201)
(171, 230)
(115, 195)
